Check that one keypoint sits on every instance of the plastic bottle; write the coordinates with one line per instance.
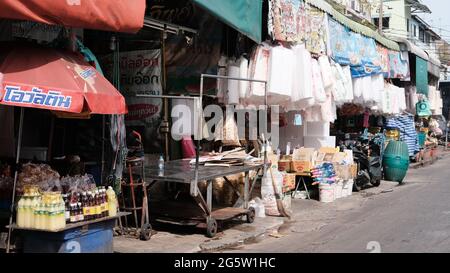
(112, 202)
(20, 217)
(27, 212)
(161, 162)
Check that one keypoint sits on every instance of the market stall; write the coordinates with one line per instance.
(68, 86)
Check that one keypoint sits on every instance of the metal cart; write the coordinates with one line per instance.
(181, 171)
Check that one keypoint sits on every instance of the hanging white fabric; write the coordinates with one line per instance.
(327, 73)
(319, 91)
(302, 85)
(338, 92)
(222, 83)
(281, 64)
(233, 85)
(348, 84)
(259, 65)
(243, 74)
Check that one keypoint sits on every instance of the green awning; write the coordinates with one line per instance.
(243, 15)
(422, 76)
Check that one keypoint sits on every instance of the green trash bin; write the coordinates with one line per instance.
(396, 161)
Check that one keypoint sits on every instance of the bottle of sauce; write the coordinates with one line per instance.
(90, 205)
(85, 206)
(97, 205)
(80, 212)
(104, 203)
(112, 202)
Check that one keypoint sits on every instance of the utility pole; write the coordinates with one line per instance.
(380, 18)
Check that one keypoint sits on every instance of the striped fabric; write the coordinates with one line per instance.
(405, 124)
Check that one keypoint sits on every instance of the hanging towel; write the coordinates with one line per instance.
(259, 65)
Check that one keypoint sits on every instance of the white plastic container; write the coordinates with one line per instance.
(326, 193)
(338, 190)
(345, 185)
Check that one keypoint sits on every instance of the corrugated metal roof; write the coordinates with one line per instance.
(353, 25)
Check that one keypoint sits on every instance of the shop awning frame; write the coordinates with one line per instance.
(167, 27)
(406, 45)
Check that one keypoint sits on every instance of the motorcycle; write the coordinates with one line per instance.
(367, 154)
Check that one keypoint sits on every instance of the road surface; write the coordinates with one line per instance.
(414, 217)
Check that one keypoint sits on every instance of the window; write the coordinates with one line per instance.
(415, 31)
(407, 25)
(386, 22)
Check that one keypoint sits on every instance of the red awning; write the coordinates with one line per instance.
(109, 15)
(56, 80)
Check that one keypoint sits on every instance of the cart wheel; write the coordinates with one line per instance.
(146, 232)
(251, 215)
(211, 227)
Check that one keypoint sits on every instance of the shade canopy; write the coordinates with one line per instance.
(110, 15)
(55, 80)
(243, 15)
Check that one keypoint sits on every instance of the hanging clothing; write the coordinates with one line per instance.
(405, 124)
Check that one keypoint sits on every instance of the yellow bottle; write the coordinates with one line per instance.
(112, 202)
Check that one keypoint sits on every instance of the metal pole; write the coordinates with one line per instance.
(16, 174)
(380, 18)
(194, 187)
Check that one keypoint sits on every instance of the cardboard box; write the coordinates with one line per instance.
(284, 165)
(302, 166)
(288, 182)
(304, 154)
(354, 170)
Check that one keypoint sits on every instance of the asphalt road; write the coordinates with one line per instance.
(414, 217)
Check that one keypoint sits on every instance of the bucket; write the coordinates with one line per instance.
(326, 193)
(350, 187)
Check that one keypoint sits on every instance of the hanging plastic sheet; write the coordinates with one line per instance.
(367, 51)
(317, 29)
(383, 53)
(354, 49)
(340, 38)
(398, 65)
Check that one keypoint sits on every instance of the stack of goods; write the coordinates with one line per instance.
(40, 175)
(52, 210)
(324, 174)
(6, 184)
(90, 205)
(40, 211)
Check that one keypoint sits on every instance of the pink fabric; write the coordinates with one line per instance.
(188, 147)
